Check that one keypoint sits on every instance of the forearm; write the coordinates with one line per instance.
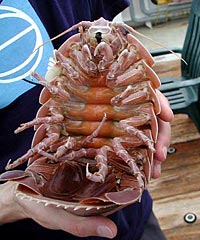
(10, 210)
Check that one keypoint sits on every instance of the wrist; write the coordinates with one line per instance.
(11, 211)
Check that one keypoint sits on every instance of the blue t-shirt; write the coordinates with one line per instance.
(21, 33)
(56, 16)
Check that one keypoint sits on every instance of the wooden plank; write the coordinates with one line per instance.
(167, 65)
(180, 171)
(177, 191)
(190, 232)
(186, 153)
(170, 212)
(176, 181)
(183, 129)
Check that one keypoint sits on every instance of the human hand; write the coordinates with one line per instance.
(164, 134)
(14, 208)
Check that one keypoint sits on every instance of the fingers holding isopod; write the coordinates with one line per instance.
(166, 113)
(164, 134)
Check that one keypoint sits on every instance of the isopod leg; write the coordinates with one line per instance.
(72, 75)
(55, 117)
(52, 87)
(127, 158)
(125, 59)
(143, 92)
(69, 144)
(103, 49)
(83, 60)
(101, 159)
(140, 72)
(52, 135)
(132, 130)
(95, 133)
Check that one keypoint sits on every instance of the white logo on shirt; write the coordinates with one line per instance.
(27, 60)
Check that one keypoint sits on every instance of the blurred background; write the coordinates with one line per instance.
(163, 20)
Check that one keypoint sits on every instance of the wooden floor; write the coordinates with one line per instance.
(177, 191)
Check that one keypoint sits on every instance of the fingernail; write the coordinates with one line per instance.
(104, 231)
(158, 167)
(164, 152)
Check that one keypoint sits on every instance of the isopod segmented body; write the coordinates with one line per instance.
(95, 132)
